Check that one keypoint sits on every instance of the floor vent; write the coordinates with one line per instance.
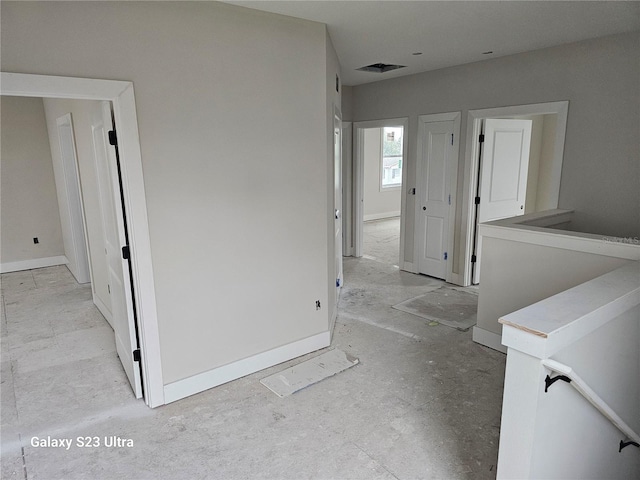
(380, 68)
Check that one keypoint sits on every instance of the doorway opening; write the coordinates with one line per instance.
(134, 255)
(513, 167)
(380, 190)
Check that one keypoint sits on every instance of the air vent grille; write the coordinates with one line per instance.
(380, 67)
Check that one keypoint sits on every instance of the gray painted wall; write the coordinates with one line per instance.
(378, 203)
(29, 200)
(599, 78)
(232, 115)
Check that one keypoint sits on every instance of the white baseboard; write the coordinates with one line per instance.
(488, 339)
(34, 263)
(204, 381)
(380, 216)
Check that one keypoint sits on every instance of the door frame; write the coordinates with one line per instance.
(121, 94)
(472, 151)
(358, 182)
(347, 189)
(423, 120)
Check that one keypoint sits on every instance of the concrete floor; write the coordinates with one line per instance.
(381, 240)
(424, 402)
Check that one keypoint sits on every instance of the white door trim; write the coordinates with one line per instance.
(455, 117)
(121, 94)
(474, 119)
(358, 183)
(347, 189)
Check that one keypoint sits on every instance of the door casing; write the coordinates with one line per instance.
(358, 191)
(121, 94)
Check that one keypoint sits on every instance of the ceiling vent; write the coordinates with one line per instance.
(380, 68)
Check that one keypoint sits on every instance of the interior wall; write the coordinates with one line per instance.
(81, 114)
(599, 77)
(28, 192)
(546, 163)
(232, 116)
(378, 203)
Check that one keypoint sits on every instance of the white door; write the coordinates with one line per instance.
(105, 198)
(504, 166)
(71, 181)
(337, 180)
(433, 197)
(122, 310)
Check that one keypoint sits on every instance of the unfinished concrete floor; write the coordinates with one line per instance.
(381, 240)
(424, 402)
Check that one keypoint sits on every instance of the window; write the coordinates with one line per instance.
(392, 150)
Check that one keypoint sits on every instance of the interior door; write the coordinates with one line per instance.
(337, 177)
(504, 165)
(433, 198)
(121, 293)
(105, 197)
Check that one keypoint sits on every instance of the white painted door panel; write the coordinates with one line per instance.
(105, 197)
(504, 168)
(337, 174)
(433, 198)
(119, 280)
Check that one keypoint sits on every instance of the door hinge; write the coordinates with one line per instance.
(136, 355)
(452, 139)
(477, 200)
(113, 138)
(412, 191)
(481, 138)
(473, 259)
(125, 252)
(449, 199)
(446, 255)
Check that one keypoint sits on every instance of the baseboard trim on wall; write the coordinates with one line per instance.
(212, 378)
(380, 216)
(34, 263)
(488, 339)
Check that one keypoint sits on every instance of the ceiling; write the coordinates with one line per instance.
(449, 33)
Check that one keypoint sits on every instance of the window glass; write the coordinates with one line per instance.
(391, 157)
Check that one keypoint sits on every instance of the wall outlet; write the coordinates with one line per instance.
(35, 240)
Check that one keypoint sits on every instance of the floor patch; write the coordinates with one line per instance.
(445, 305)
(307, 373)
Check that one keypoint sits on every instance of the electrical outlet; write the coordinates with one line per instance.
(35, 240)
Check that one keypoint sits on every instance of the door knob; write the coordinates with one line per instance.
(424, 208)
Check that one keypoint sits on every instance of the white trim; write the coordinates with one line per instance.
(380, 216)
(561, 109)
(121, 95)
(488, 339)
(454, 117)
(212, 378)
(347, 189)
(21, 265)
(358, 181)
